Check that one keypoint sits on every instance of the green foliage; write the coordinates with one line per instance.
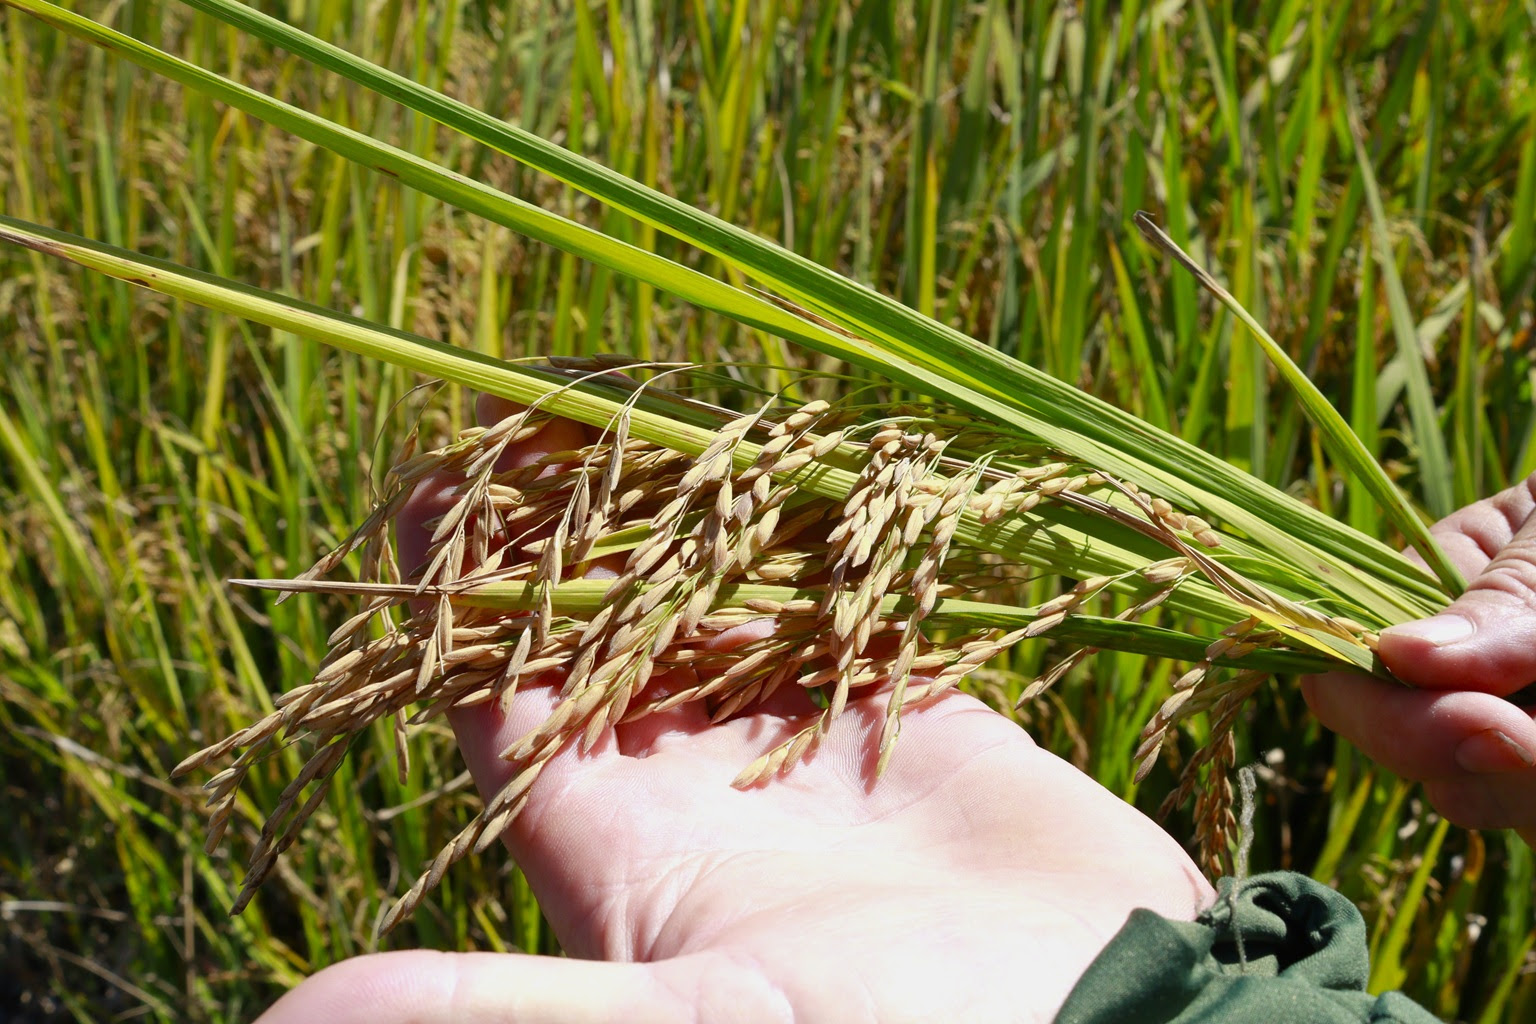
(981, 162)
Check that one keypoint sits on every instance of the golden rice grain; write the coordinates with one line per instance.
(691, 528)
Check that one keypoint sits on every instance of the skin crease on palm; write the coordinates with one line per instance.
(976, 881)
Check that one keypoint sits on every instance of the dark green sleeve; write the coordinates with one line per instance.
(1302, 959)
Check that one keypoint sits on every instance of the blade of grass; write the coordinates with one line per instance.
(1434, 462)
(1057, 413)
(1147, 367)
(1343, 445)
(1468, 421)
(1058, 549)
(1388, 970)
(958, 368)
(1496, 1010)
(1363, 514)
(1341, 829)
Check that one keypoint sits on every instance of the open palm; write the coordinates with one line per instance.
(976, 880)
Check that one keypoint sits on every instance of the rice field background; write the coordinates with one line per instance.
(980, 161)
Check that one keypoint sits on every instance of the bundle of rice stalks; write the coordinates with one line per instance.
(887, 546)
(888, 583)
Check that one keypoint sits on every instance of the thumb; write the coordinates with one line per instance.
(1486, 639)
(427, 987)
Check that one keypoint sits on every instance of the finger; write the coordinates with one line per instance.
(1502, 801)
(435, 494)
(427, 987)
(1426, 734)
(1486, 639)
(557, 435)
(1472, 536)
(432, 498)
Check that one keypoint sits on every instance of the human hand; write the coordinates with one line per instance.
(1474, 751)
(975, 881)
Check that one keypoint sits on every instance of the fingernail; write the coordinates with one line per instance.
(1440, 630)
(1491, 752)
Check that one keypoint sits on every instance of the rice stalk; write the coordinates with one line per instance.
(709, 542)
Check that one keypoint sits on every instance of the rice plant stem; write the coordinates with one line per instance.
(584, 598)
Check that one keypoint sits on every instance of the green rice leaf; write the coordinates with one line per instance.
(1434, 460)
(1340, 441)
(913, 347)
(909, 349)
(1053, 547)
